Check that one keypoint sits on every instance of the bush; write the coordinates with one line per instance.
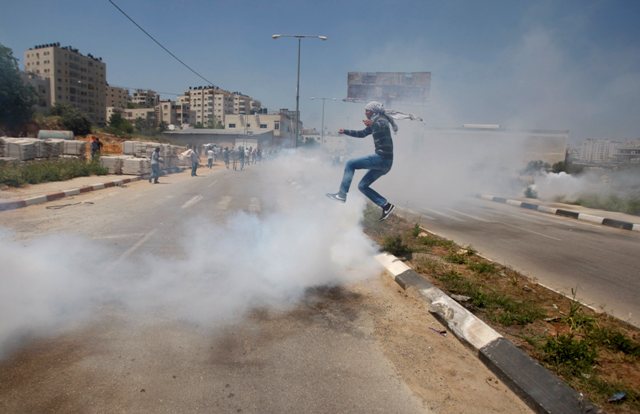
(395, 246)
(570, 353)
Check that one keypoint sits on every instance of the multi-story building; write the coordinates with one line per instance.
(146, 114)
(118, 97)
(210, 105)
(42, 88)
(597, 151)
(74, 78)
(145, 98)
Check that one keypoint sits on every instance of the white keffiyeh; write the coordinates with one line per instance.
(392, 115)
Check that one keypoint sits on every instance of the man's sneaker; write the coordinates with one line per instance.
(386, 211)
(337, 196)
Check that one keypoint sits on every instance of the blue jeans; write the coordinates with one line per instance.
(194, 167)
(377, 166)
(155, 172)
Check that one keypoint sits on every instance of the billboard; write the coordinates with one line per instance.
(389, 87)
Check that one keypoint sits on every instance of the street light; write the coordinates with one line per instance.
(322, 128)
(299, 37)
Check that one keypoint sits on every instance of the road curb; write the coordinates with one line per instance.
(542, 390)
(15, 204)
(625, 225)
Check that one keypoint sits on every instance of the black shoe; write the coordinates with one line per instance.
(386, 211)
(337, 196)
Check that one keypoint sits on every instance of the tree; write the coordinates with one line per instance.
(119, 125)
(72, 119)
(16, 98)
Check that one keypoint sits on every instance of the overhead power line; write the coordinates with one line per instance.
(160, 44)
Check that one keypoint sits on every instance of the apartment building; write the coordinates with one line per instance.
(146, 114)
(597, 150)
(145, 98)
(117, 97)
(74, 78)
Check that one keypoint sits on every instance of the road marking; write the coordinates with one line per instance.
(191, 202)
(133, 248)
(443, 214)
(213, 183)
(469, 215)
(118, 236)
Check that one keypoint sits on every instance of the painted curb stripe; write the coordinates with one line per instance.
(590, 218)
(541, 389)
(514, 203)
(618, 224)
(500, 199)
(73, 192)
(12, 205)
(529, 206)
(98, 186)
(36, 200)
(86, 189)
(567, 213)
(546, 209)
(55, 196)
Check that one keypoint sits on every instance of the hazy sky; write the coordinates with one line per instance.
(560, 64)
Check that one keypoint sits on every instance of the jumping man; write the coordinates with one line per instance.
(379, 124)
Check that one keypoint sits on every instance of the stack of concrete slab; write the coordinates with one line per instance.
(136, 166)
(22, 149)
(77, 148)
(113, 163)
(168, 153)
(52, 148)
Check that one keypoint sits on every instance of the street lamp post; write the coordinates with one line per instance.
(322, 127)
(299, 37)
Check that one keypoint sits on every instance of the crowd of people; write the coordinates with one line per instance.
(235, 157)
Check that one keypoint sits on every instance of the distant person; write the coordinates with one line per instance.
(225, 155)
(195, 162)
(210, 157)
(378, 124)
(241, 155)
(96, 147)
(155, 165)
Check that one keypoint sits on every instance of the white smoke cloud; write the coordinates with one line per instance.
(223, 270)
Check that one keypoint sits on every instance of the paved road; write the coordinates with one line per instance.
(601, 263)
(196, 295)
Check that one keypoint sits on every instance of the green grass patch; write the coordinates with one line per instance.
(35, 172)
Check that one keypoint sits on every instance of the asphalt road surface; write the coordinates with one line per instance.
(601, 264)
(361, 347)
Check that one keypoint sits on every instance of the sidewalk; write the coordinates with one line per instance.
(606, 218)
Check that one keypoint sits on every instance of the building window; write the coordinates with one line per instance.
(263, 126)
(276, 125)
(232, 125)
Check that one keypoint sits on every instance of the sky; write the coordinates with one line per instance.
(568, 65)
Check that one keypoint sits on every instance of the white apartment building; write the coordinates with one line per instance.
(74, 78)
(597, 150)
